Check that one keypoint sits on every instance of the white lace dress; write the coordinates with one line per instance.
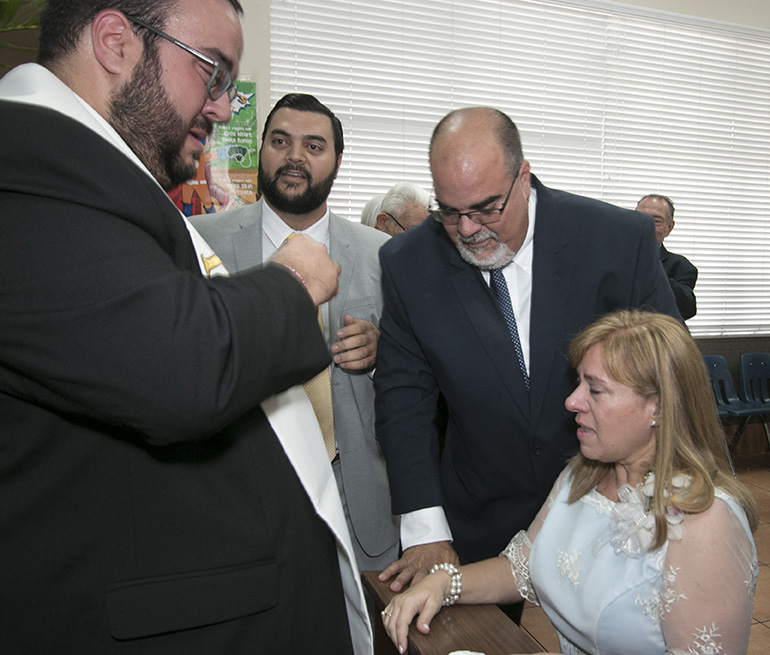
(693, 595)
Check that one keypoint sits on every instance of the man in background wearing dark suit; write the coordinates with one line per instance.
(682, 275)
(146, 502)
(556, 262)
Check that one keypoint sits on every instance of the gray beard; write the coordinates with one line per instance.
(502, 255)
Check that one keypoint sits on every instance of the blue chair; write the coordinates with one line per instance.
(755, 384)
(728, 404)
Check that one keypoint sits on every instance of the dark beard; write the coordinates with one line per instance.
(144, 117)
(311, 198)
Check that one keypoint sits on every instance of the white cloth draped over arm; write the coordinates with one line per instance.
(517, 550)
(710, 587)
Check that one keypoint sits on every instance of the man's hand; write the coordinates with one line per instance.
(308, 260)
(416, 563)
(356, 349)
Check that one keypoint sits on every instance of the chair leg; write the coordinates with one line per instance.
(767, 432)
(739, 432)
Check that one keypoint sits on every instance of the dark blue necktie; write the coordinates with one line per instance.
(500, 292)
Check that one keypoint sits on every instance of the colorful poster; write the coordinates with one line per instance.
(227, 171)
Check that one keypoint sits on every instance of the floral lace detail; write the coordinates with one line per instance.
(568, 565)
(514, 552)
(570, 649)
(705, 643)
(632, 523)
(601, 504)
(660, 604)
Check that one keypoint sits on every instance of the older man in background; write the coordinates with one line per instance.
(682, 275)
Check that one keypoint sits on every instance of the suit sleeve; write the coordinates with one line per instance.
(406, 397)
(99, 324)
(682, 279)
(652, 291)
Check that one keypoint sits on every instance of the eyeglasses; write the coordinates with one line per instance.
(220, 81)
(393, 218)
(480, 216)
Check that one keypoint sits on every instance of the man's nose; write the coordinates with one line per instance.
(467, 226)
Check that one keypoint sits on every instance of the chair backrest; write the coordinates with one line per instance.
(755, 378)
(721, 381)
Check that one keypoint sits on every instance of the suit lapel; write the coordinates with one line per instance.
(247, 242)
(551, 281)
(482, 311)
(341, 252)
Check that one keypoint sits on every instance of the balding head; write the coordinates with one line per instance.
(478, 166)
(473, 128)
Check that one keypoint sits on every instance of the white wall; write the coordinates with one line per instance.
(255, 64)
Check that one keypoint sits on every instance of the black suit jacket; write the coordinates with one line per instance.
(443, 332)
(682, 276)
(145, 503)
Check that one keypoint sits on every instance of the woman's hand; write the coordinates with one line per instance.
(424, 599)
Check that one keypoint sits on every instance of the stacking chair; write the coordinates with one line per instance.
(729, 405)
(755, 384)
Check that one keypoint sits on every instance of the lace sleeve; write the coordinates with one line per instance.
(517, 551)
(709, 581)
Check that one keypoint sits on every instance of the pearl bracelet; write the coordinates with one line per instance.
(456, 587)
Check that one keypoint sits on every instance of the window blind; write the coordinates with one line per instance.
(612, 102)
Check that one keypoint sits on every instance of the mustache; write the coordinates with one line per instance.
(294, 167)
(482, 235)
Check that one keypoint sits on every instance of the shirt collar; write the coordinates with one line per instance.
(276, 230)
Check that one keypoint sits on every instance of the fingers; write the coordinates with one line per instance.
(357, 348)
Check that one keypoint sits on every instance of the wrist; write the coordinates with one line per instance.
(297, 275)
(455, 582)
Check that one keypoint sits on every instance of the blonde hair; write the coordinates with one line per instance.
(654, 355)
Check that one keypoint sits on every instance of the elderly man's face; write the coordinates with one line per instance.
(478, 178)
(659, 210)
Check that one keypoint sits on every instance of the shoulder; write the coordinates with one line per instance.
(725, 516)
(228, 222)
(567, 209)
(361, 237)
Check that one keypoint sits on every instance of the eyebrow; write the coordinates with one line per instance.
(217, 55)
(277, 131)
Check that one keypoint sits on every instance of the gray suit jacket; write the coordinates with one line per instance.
(236, 236)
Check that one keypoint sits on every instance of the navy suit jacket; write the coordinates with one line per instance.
(442, 333)
(682, 276)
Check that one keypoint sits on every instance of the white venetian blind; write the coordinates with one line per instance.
(612, 102)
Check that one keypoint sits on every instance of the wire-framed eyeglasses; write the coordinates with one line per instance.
(220, 80)
(393, 218)
(480, 216)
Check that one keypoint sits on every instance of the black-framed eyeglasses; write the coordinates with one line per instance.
(393, 218)
(480, 216)
(220, 81)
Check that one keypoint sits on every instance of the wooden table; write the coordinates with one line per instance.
(477, 628)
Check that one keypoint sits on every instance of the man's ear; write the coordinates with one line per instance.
(381, 222)
(115, 45)
(339, 163)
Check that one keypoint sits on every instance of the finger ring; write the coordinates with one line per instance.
(384, 613)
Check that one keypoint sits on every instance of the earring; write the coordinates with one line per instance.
(654, 423)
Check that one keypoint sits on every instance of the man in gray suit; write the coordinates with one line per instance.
(299, 159)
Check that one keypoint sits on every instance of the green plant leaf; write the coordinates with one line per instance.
(20, 14)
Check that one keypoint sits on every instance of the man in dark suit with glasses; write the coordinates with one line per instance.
(480, 306)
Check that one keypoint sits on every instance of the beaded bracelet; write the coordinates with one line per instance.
(456, 588)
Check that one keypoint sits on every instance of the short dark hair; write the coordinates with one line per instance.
(63, 21)
(505, 129)
(666, 199)
(306, 102)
